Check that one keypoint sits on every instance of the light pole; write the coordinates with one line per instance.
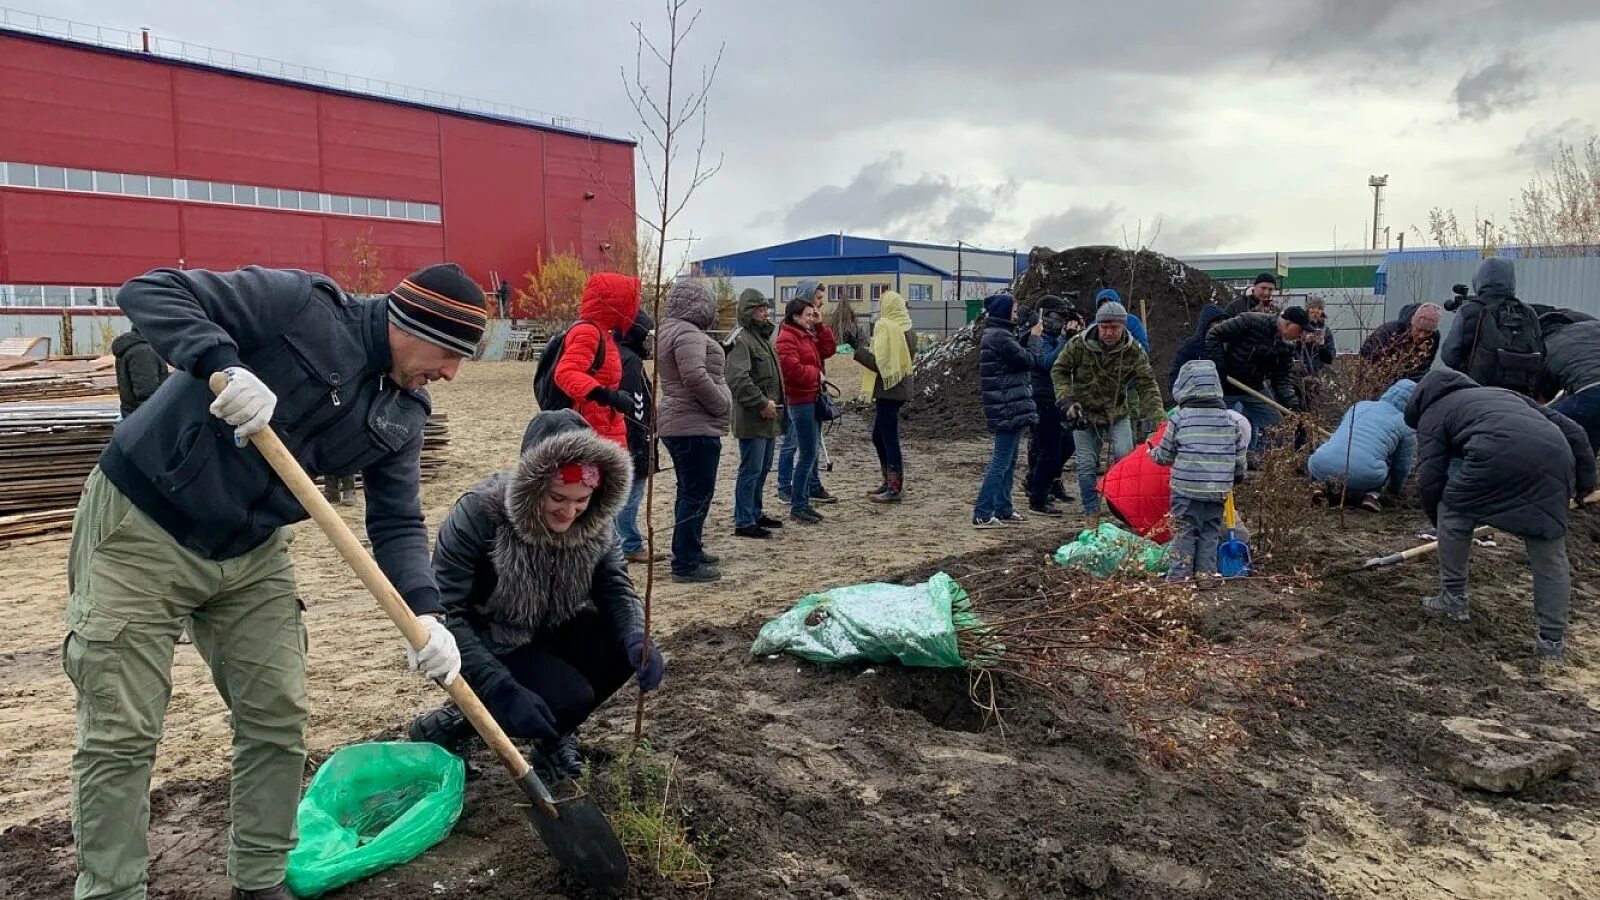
(1377, 183)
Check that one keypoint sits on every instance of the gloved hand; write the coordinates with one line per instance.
(649, 671)
(617, 400)
(521, 712)
(438, 659)
(246, 403)
(1072, 416)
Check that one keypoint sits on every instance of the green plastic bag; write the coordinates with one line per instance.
(1104, 550)
(915, 625)
(373, 806)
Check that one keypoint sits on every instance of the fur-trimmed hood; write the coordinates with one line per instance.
(552, 440)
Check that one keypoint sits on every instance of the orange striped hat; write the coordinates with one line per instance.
(442, 306)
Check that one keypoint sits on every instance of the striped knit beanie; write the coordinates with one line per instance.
(442, 306)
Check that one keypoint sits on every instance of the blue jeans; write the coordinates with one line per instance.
(755, 462)
(695, 461)
(807, 435)
(1261, 416)
(1086, 456)
(628, 518)
(994, 496)
(786, 457)
(1583, 408)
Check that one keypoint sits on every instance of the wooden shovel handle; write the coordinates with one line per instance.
(267, 442)
(1284, 410)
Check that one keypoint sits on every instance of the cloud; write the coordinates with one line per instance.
(1202, 235)
(1540, 145)
(878, 200)
(1076, 226)
(1501, 86)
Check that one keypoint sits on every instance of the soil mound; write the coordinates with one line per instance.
(1173, 293)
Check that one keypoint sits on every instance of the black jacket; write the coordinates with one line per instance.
(1247, 347)
(1393, 339)
(1194, 346)
(1521, 463)
(1571, 352)
(632, 351)
(327, 358)
(1005, 374)
(505, 578)
(139, 370)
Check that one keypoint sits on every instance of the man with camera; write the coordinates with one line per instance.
(1496, 339)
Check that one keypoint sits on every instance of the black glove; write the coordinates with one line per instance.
(617, 400)
(521, 712)
(1072, 416)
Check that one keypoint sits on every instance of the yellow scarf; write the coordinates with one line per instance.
(889, 344)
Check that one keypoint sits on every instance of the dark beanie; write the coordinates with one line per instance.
(1265, 278)
(1296, 315)
(442, 306)
(998, 306)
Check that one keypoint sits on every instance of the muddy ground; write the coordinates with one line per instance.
(803, 782)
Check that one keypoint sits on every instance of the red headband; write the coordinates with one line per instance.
(586, 474)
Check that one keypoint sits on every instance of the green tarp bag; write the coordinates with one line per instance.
(915, 625)
(370, 807)
(1106, 549)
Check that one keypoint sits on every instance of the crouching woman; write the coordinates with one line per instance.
(537, 594)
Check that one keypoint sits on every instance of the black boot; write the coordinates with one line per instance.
(446, 726)
(1058, 492)
(883, 481)
(277, 892)
(559, 761)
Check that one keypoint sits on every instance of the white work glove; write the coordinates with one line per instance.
(245, 403)
(438, 659)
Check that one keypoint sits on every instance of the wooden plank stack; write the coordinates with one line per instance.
(47, 450)
(56, 379)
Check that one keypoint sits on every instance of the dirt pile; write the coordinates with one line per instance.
(947, 400)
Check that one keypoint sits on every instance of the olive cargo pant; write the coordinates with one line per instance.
(132, 587)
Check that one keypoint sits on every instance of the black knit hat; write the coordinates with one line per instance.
(1296, 315)
(1265, 278)
(442, 306)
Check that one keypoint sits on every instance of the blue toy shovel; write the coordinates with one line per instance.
(1233, 554)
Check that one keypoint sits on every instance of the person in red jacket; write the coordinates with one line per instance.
(803, 344)
(610, 302)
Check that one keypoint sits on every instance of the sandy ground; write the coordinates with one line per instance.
(1370, 832)
(358, 682)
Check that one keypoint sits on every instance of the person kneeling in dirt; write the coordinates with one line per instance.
(1371, 449)
(537, 593)
(1206, 451)
(1094, 378)
(1520, 465)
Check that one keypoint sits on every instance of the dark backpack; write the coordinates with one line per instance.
(1508, 347)
(545, 391)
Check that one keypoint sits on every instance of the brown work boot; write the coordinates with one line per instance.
(278, 892)
(643, 557)
(1371, 502)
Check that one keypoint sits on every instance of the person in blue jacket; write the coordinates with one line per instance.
(1372, 449)
(1051, 444)
(1135, 325)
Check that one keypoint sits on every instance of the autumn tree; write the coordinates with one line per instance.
(361, 272)
(554, 291)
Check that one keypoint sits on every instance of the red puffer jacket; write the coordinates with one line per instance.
(800, 358)
(610, 302)
(1139, 492)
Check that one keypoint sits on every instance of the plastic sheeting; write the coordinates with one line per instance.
(914, 625)
(1107, 549)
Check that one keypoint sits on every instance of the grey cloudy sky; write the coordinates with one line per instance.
(1239, 124)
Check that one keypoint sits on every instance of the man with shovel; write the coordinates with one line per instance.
(184, 520)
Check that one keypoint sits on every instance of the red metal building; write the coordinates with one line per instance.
(115, 162)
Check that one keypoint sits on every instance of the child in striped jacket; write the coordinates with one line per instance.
(1206, 450)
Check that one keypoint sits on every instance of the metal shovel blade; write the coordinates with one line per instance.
(577, 835)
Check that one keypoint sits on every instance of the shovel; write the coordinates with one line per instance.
(573, 829)
(1233, 555)
(1284, 411)
(1424, 549)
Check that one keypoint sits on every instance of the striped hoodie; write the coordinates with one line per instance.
(1202, 444)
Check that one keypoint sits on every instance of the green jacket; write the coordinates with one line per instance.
(752, 372)
(1102, 379)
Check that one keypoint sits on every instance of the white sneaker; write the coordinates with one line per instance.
(991, 522)
(1015, 518)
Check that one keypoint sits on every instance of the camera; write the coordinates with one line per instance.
(1461, 292)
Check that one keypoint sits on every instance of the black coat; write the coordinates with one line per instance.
(635, 383)
(1005, 372)
(1521, 463)
(1247, 347)
(1394, 338)
(326, 355)
(547, 580)
(1194, 346)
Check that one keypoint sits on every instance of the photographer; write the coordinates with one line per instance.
(1496, 340)
(1051, 443)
